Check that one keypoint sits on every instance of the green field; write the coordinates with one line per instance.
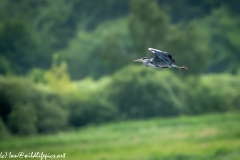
(206, 137)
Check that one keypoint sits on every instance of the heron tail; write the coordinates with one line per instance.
(183, 67)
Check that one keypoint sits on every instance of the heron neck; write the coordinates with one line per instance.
(146, 62)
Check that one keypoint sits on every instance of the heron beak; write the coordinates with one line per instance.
(137, 60)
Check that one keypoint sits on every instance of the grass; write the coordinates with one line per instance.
(206, 137)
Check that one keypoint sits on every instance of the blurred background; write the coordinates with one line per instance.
(68, 84)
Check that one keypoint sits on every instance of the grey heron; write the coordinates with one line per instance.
(161, 59)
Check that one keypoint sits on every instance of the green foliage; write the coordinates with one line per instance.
(189, 46)
(134, 92)
(187, 10)
(95, 35)
(52, 113)
(149, 27)
(34, 31)
(5, 67)
(3, 130)
(88, 105)
(225, 46)
(99, 52)
(28, 110)
(214, 93)
(206, 137)
(142, 93)
(94, 39)
(37, 75)
(89, 111)
(17, 44)
(17, 110)
(113, 52)
(22, 119)
(57, 76)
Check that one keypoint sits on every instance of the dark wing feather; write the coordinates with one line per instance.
(158, 61)
(165, 56)
(170, 56)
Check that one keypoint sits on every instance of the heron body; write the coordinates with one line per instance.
(161, 59)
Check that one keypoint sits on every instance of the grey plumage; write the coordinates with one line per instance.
(161, 59)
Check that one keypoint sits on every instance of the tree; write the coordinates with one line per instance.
(17, 45)
(150, 28)
(22, 119)
(57, 77)
(224, 40)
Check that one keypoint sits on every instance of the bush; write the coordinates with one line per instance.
(3, 130)
(52, 113)
(140, 92)
(26, 109)
(214, 93)
(131, 93)
(14, 93)
(37, 75)
(85, 111)
(22, 119)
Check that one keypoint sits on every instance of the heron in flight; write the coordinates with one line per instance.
(161, 59)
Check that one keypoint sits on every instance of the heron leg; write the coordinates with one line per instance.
(160, 67)
(165, 67)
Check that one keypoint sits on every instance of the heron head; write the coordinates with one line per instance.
(141, 59)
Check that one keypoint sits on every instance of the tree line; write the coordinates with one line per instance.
(67, 64)
(83, 32)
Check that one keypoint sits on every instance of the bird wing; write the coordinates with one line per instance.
(158, 61)
(164, 56)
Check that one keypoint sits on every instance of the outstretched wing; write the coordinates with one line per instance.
(158, 61)
(164, 56)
